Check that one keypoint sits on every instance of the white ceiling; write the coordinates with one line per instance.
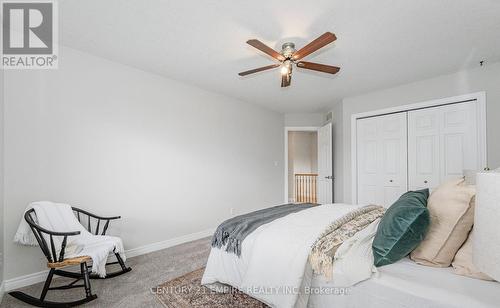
(380, 43)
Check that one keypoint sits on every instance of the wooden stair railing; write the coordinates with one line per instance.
(305, 187)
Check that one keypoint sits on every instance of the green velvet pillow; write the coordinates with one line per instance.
(402, 228)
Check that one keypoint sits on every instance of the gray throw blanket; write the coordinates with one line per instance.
(234, 230)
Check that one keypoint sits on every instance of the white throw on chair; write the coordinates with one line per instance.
(59, 231)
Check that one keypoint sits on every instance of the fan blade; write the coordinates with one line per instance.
(266, 49)
(321, 41)
(285, 80)
(318, 67)
(260, 69)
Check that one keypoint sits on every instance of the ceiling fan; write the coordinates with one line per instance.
(290, 56)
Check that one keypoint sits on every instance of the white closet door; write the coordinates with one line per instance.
(442, 142)
(394, 155)
(367, 160)
(423, 148)
(381, 161)
(459, 139)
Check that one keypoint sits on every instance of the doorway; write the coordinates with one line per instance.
(309, 164)
(302, 166)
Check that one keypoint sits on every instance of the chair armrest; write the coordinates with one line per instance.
(71, 233)
(32, 224)
(89, 215)
(50, 252)
(94, 215)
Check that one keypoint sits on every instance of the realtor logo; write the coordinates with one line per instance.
(29, 35)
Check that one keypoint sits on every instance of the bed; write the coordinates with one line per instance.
(407, 284)
(273, 263)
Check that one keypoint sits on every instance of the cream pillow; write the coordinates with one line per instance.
(462, 264)
(451, 209)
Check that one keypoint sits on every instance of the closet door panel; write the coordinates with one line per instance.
(367, 157)
(453, 150)
(392, 139)
(442, 143)
(423, 149)
(459, 140)
(381, 159)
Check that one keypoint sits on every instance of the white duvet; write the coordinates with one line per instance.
(273, 266)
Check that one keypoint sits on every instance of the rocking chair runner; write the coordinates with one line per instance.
(55, 261)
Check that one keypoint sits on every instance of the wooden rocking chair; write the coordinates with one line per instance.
(56, 262)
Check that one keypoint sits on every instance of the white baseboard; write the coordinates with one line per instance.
(26, 280)
(141, 250)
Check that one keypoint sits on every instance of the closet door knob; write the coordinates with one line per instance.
(391, 181)
(425, 182)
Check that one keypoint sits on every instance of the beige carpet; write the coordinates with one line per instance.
(132, 289)
(187, 292)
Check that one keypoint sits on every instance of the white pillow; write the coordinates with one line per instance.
(486, 239)
(462, 263)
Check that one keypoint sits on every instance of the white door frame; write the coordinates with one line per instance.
(293, 129)
(480, 97)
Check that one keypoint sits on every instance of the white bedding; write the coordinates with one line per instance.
(273, 266)
(407, 284)
(404, 284)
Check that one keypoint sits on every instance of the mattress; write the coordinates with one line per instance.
(407, 284)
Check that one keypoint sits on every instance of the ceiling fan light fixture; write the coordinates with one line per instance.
(286, 67)
(288, 49)
(290, 56)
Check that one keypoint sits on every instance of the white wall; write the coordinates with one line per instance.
(302, 156)
(303, 148)
(304, 119)
(170, 158)
(485, 78)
